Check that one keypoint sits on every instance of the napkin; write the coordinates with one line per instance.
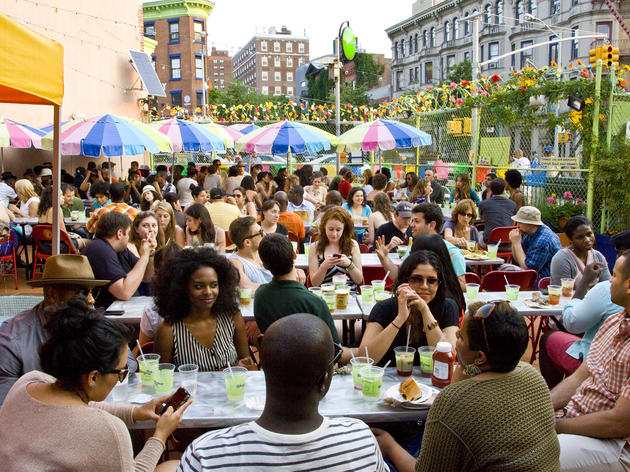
(393, 402)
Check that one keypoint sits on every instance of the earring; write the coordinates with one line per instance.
(472, 370)
(92, 386)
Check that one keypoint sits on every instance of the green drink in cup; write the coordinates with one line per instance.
(372, 379)
(307, 248)
(147, 364)
(331, 300)
(511, 292)
(378, 285)
(404, 360)
(426, 360)
(380, 295)
(357, 364)
(472, 290)
(234, 383)
(339, 281)
(316, 291)
(493, 249)
(471, 245)
(367, 294)
(402, 250)
(163, 378)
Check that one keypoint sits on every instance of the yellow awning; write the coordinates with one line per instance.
(31, 70)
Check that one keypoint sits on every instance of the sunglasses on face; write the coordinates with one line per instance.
(259, 233)
(122, 373)
(418, 280)
(336, 356)
(469, 215)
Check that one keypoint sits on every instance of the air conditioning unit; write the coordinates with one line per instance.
(493, 65)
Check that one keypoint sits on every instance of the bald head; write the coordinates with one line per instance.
(282, 199)
(296, 351)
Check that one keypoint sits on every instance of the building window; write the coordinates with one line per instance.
(153, 62)
(263, 45)
(498, 12)
(300, 61)
(447, 31)
(574, 44)
(276, 61)
(455, 28)
(493, 51)
(553, 50)
(424, 39)
(466, 25)
(415, 42)
(533, 7)
(198, 29)
(513, 57)
(289, 62)
(149, 31)
(467, 55)
(289, 76)
(528, 54)
(301, 47)
(604, 27)
(176, 99)
(199, 97)
(395, 49)
(289, 47)
(276, 46)
(574, 3)
(518, 8)
(481, 53)
(176, 68)
(265, 76)
(433, 36)
(450, 63)
(428, 72)
(263, 61)
(173, 32)
(554, 7)
(415, 75)
(398, 80)
(289, 91)
(486, 14)
(277, 90)
(402, 48)
(198, 67)
(410, 45)
(265, 90)
(411, 75)
(442, 70)
(277, 76)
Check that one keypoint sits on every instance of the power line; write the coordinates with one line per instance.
(37, 3)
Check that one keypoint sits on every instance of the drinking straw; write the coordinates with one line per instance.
(151, 366)
(386, 275)
(408, 333)
(140, 347)
(386, 365)
(499, 243)
(366, 353)
(506, 280)
(352, 353)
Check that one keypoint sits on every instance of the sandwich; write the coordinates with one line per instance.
(410, 390)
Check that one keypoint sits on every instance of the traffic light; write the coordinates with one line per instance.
(594, 55)
(610, 56)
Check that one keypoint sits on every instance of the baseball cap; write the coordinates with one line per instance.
(144, 167)
(404, 209)
(216, 193)
(46, 172)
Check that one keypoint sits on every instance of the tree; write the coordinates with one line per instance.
(238, 93)
(367, 70)
(461, 71)
(320, 85)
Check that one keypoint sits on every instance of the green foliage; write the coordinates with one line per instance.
(356, 96)
(238, 93)
(319, 87)
(367, 71)
(461, 71)
(611, 173)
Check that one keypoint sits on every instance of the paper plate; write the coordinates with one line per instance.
(394, 393)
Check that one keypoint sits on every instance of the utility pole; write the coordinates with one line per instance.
(476, 126)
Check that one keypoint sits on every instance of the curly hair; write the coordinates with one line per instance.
(135, 237)
(207, 233)
(345, 243)
(463, 191)
(383, 204)
(462, 207)
(354, 190)
(175, 273)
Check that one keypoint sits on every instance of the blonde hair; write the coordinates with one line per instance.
(169, 231)
(24, 189)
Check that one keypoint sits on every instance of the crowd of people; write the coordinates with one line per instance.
(193, 237)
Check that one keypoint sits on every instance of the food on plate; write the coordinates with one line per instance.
(410, 390)
(477, 255)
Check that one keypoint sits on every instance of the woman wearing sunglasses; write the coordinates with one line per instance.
(497, 414)
(460, 229)
(57, 420)
(421, 305)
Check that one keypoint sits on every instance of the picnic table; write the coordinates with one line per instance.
(371, 260)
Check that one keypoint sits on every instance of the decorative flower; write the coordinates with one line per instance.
(495, 78)
(551, 200)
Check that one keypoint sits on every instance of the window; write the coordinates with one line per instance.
(554, 7)
(513, 57)
(199, 97)
(575, 3)
(424, 38)
(481, 55)
(276, 61)
(277, 90)
(214, 61)
(398, 79)
(466, 25)
(493, 51)
(415, 75)
(300, 61)
(395, 49)
(428, 72)
(528, 54)
(199, 67)
(467, 55)
(411, 75)
(604, 27)
(486, 14)
(450, 62)
(153, 62)
(277, 76)
(553, 50)
(442, 71)
(415, 42)
(289, 47)
(176, 71)
(402, 48)
(263, 61)
(265, 76)
(176, 99)
(533, 7)
(289, 91)
(173, 32)
(410, 45)
(289, 62)
(289, 76)
(276, 46)
(149, 31)
(455, 28)
(498, 12)
(433, 36)
(263, 45)
(518, 8)
(265, 90)
(574, 43)
(301, 47)
(447, 31)
(198, 30)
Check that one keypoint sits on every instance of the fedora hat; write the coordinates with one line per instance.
(67, 269)
(528, 215)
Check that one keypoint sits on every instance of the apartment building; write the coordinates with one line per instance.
(219, 69)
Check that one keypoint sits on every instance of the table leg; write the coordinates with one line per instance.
(535, 334)
(24, 241)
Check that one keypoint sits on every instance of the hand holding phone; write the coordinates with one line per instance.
(337, 255)
(180, 397)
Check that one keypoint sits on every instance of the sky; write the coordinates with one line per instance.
(234, 22)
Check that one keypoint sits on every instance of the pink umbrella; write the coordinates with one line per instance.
(14, 134)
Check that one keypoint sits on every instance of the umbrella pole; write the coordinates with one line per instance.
(290, 162)
(56, 182)
(372, 161)
(109, 163)
(2, 158)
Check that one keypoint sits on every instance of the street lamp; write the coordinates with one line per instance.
(532, 18)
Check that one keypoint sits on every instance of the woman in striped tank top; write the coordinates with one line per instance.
(203, 325)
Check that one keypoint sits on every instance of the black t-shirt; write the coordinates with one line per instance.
(386, 311)
(107, 264)
(389, 230)
(281, 229)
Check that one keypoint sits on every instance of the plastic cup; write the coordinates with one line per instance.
(307, 248)
(567, 287)
(493, 249)
(342, 298)
(330, 298)
(472, 290)
(245, 296)
(554, 294)
(511, 292)
(402, 250)
(339, 281)
(453, 205)
(380, 295)
(426, 360)
(404, 360)
(471, 245)
(371, 380)
(316, 291)
(295, 247)
(378, 285)
(367, 294)
(163, 378)
(147, 364)
(357, 364)
(74, 215)
(234, 383)
(327, 288)
(188, 377)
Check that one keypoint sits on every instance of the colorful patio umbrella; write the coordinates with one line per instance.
(188, 136)
(109, 136)
(244, 128)
(382, 135)
(14, 134)
(229, 135)
(286, 137)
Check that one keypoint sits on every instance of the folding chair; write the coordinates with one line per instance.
(43, 233)
(495, 281)
(472, 278)
(502, 234)
(7, 256)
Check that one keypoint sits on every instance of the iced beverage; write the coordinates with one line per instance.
(554, 294)
(402, 250)
(339, 281)
(245, 296)
(147, 364)
(493, 249)
(307, 248)
(342, 296)
(235, 383)
(404, 360)
(316, 291)
(567, 287)
(426, 360)
(330, 298)
(367, 294)
(511, 292)
(357, 364)
(372, 379)
(378, 285)
(380, 295)
(472, 290)
(471, 245)
(163, 378)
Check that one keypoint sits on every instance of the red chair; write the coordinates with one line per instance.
(364, 248)
(43, 233)
(7, 247)
(502, 234)
(472, 278)
(228, 241)
(544, 283)
(376, 273)
(495, 281)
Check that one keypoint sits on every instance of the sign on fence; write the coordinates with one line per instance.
(560, 162)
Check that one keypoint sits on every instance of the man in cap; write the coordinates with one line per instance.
(65, 276)
(397, 231)
(46, 177)
(533, 243)
(221, 212)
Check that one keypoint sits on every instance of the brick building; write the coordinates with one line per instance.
(179, 27)
(268, 62)
(219, 70)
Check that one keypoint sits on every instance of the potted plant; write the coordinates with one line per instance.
(559, 210)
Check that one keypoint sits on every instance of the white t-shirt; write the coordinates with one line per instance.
(212, 181)
(339, 444)
(25, 207)
(150, 321)
(6, 194)
(305, 206)
(521, 162)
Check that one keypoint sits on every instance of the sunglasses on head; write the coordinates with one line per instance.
(336, 356)
(484, 313)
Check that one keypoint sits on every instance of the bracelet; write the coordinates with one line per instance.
(430, 326)
(397, 327)
(349, 266)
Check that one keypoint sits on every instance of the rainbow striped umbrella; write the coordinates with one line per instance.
(108, 136)
(382, 135)
(244, 128)
(229, 135)
(286, 137)
(188, 136)
(18, 135)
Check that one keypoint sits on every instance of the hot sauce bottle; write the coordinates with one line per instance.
(443, 360)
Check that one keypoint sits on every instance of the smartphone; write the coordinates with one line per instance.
(337, 255)
(180, 397)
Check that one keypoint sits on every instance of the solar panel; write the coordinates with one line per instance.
(147, 73)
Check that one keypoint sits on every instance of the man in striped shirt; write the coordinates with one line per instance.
(117, 194)
(298, 355)
(593, 404)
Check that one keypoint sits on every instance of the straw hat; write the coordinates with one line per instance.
(67, 269)
(528, 215)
